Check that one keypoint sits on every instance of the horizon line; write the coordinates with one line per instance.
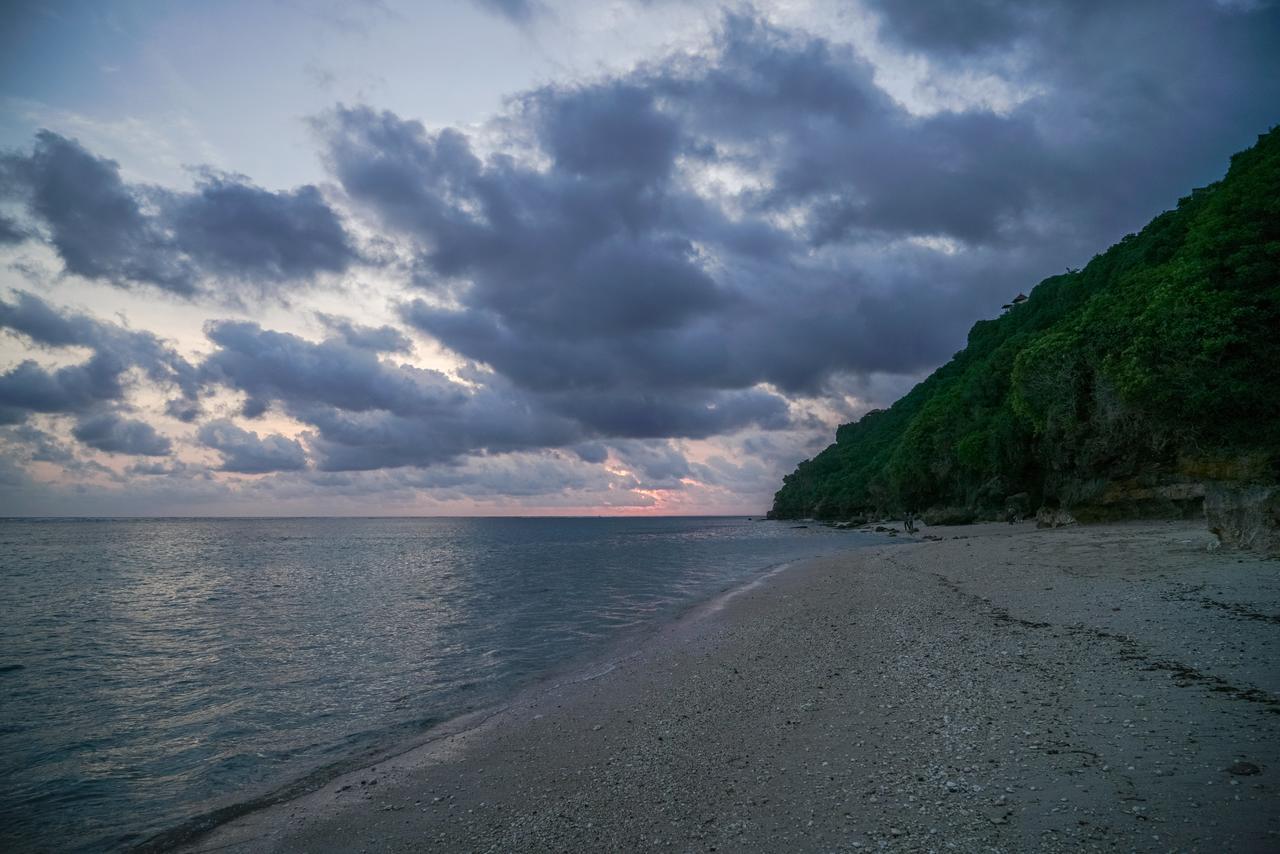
(395, 516)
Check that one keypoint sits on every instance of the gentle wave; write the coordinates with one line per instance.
(155, 670)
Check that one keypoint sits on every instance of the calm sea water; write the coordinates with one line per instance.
(156, 669)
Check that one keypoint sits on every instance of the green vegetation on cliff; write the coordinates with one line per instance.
(1158, 361)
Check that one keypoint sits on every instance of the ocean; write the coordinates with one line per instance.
(154, 670)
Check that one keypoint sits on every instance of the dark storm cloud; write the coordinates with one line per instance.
(369, 412)
(606, 132)
(961, 26)
(109, 432)
(27, 388)
(866, 238)
(657, 464)
(609, 271)
(809, 115)
(378, 339)
(230, 229)
(226, 230)
(96, 225)
(101, 381)
(587, 249)
(269, 365)
(695, 414)
(10, 231)
(246, 452)
(687, 250)
(1136, 101)
(591, 452)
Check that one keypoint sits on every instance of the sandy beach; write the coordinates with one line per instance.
(1001, 688)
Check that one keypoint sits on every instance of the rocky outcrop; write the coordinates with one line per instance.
(1244, 516)
(1053, 517)
(949, 516)
(1019, 504)
(1142, 498)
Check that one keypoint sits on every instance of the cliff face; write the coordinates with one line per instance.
(1145, 385)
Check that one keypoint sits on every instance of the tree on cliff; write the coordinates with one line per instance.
(1159, 359)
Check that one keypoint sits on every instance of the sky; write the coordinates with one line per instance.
(491, 257)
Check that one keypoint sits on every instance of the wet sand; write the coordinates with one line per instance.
(1000, 689)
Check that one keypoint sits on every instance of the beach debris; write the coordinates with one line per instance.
(1243, 769)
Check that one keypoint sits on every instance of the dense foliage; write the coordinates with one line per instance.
(1163, 353)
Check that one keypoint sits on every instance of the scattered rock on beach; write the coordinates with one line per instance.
(1243, 769)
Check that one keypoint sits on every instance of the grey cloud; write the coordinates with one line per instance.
(226, 231)
(96, 224)
(39, 321)
(551, 252)
(591, 452)
(961, 26)
(246, 452)
(12, 474)
(231, 229)
(350, 441)
(517, 11)
(516, 475)
(169, 468)
(10, 231)
(611, 132)
(40, 446)
(369, 413)
(372, 413)
(99, 381)
(94, 389)
(1116, 82)
(830, 141)
(275, 365)
(658, 464)
(109, 432)
(26, 442)
(610, 270)
(28, 387)
(609, 293)
(182, 409)
(378, 339)
(692, 415)
(743, 476)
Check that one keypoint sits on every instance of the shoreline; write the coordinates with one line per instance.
(581, 669)
(1002, 688)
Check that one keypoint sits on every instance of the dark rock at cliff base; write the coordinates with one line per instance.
(949, 516)
(1054, 517)
(1020, 504)
(1244, 516)
(1145, 496)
